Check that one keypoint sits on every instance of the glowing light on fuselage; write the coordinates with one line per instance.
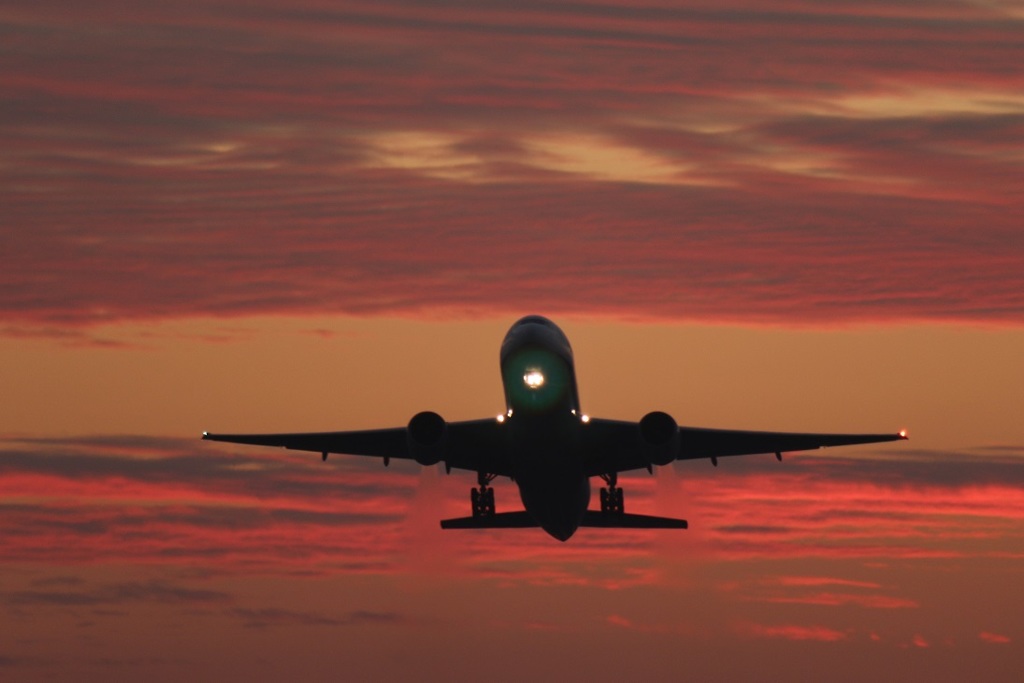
(534, 379)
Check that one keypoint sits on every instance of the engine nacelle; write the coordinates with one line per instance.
(659, 438)
(426, 437)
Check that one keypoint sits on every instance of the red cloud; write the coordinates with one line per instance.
(387, 159)
(840, 599)
(791, 632)
(622, 622)
(157, 500)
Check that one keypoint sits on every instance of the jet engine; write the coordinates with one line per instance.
(426, 436)
(659, 438)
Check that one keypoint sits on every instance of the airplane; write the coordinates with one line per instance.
(548, 446)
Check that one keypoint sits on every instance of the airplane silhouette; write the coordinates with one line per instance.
(547, 445)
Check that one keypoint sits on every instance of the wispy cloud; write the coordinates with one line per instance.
(140, 500)
(267, 617)
(821, 592)
(113, 595)
(804, 164)
(937, 505)
(790, 632)
(103, 529)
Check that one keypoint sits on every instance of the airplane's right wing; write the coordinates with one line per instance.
(616, 446)
(695, 442)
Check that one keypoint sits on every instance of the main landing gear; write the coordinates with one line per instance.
(611, 497)
(482, 498)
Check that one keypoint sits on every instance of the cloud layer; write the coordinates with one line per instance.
(245, 550)
(143, 500)
(807, 164)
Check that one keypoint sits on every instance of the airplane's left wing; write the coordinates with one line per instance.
(616, 446)
(475, 445)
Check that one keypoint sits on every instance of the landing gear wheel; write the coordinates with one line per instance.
(612, 502)
(482, 499)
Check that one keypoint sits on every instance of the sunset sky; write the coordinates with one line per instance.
(310, 215)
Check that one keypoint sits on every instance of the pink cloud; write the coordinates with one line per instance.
(791, 632)
(842, 599)
(790, 590)
(112, 523)
(161, 501)
(996, 638)
(824, 581)
(621, 622)
(373, 159)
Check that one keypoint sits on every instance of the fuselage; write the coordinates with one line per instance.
(544, 420)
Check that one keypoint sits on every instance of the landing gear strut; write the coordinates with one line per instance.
(482, 498)
(611, 497)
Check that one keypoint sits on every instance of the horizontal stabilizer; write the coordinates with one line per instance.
(592, 518)
(501, 520)
(625, 520)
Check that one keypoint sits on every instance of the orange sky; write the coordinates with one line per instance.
(123, 532)
(950, 386)
(325, 215)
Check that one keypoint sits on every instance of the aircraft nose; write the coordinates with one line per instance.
(534, 334)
